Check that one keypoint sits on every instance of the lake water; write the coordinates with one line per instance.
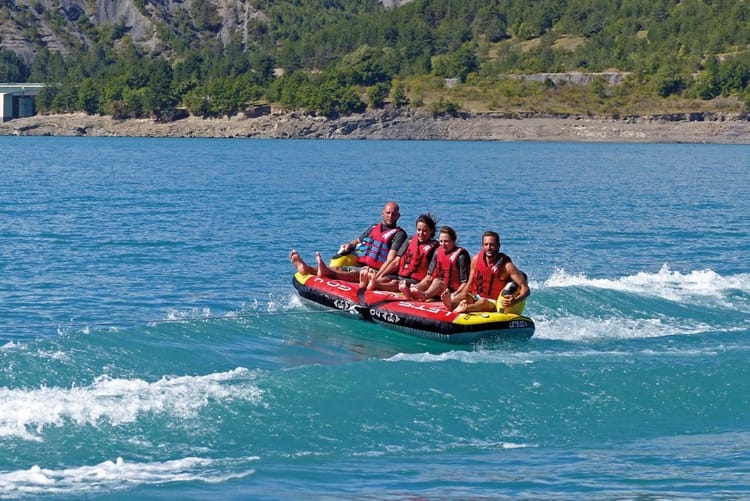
(152, 346)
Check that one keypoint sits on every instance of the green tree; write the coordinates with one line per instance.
(198, 102)
(12, 68)
(290, 90)
(669, 81)
(158, 96)
(707, 82)
(746, 99)
(398, 95)
(598, 87)
(377, 94)
(445, 107)
(458, 64)
(46, 97)
(65, 99)
(133, 103)
(88, 97)
(733, 75)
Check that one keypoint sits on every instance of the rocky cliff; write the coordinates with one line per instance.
(26, 26)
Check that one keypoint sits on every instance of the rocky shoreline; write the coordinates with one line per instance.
(407, 124)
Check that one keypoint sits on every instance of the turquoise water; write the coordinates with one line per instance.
(151, 344)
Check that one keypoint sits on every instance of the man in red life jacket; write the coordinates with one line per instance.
(378, 244)
(491, 271)
(448, 271)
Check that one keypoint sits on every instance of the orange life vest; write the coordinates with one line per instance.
(415, 261)
(487, 282)
(447, 267)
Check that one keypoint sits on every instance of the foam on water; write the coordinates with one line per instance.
(542, 354)
(24, 413)
(666, 283)
(121, 474)
(574, 307)
(467, 357)
(571, 328)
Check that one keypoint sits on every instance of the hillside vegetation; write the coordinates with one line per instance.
(141, 58)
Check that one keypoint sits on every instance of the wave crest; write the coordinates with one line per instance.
(25, 413)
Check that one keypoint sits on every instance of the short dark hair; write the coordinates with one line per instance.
(493, 234)
(449, 231)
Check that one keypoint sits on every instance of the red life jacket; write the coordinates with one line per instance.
(487, 281)
(415, 261)
(447, 267)
(376, 246)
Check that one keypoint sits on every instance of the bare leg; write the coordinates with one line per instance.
(323, 270)
(416, 293)
(435, 289)
(301, 266)
(365, 278)
(405, 289)
(483, 304)
(447, 300)
(384, 284)
(469, 306)
(371, 282)
(462, 307)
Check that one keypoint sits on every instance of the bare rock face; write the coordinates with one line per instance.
(125, 12)
(234, 16)
(25, 26)
(13, 39)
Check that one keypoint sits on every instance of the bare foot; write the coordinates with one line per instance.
(404, 288)
(417, 294)
(447, 300)
(371, 284)
(323, 270)
(364, 278)
(462, 307)
(298, 263)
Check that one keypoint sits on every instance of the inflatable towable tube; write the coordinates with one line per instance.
(345, 261)
(425, 319)
(349, 261)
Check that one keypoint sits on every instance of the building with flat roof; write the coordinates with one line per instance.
(17, 100)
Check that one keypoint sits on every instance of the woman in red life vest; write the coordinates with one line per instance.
(411, 262)
(491, 271)
(374, 247)
(448, 271)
